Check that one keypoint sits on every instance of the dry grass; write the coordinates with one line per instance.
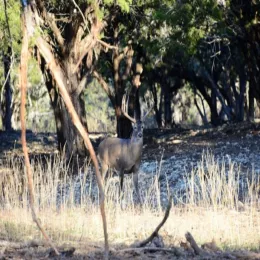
(216, 206)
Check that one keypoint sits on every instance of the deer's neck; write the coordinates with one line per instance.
(136, 146)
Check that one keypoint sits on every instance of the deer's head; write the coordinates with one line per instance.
(137, 125)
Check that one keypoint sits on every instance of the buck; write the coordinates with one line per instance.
(123, 155)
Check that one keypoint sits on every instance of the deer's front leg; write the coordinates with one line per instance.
(121, 176)
(135, 179)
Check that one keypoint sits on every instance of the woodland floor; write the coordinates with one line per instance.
(238, 141)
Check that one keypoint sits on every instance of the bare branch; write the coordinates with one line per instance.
(194, 245)
(23, 85)
(129, 60)
(51, 21)
(155, 233)
(106, 45)
(88, 42)
(87, 48)
(105, 86)
(83, 17)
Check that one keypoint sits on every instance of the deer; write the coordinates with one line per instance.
(124, 155)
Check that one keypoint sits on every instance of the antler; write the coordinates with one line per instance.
(124, 109)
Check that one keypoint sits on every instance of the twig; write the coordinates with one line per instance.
(83, 17)
(105, 86)
(155, 232)
(194, 245)
(107, 45)
(23, 85)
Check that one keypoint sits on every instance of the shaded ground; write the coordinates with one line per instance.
(37, 250)
(175, 152)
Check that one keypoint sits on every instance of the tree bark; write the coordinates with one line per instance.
(158, 115)
(241, 96)
(7, 59)
(251, 101)
(167, 107)
(69, 140)
(8, 91)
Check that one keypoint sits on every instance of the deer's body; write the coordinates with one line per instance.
(123, 155)
(120, 154)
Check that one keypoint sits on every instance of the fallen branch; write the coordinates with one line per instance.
(174, 251)
(194, 245)
(155, 232)
(21, 245)
(23, 85)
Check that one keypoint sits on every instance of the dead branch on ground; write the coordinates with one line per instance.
(155, 232)
(174, 251)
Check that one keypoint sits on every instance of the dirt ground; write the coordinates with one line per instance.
(241, 142)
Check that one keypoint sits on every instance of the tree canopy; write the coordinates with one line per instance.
(209, 48)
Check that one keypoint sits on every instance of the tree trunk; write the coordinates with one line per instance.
(251, 105)
(241, 96)
(167, 106)
(215, 120)
(123, 124)
(69, 139)
(158, 115)
(8, 91)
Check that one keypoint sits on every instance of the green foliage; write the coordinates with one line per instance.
(34, 73)
(187, 22)
(98, 109)
(108, 2)
(13, 14)
(124, 5)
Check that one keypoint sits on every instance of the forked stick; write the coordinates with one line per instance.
(155, 232)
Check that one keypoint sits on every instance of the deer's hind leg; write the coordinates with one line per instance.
(121, 177)
(104, 169)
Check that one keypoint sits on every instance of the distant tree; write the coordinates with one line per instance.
(120, 70)
(10, 47)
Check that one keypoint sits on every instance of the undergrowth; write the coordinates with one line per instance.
(218, 204)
